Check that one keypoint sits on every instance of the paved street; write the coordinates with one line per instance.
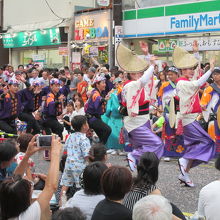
(185, 198)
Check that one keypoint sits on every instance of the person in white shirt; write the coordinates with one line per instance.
(44, 80)
(34, 77)
(87, 198)
(90, 75)
(79, 108)
(209, 198)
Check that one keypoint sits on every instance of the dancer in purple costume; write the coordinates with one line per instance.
(136, 97)
(199, 145)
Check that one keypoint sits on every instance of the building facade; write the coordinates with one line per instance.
(166, 25)
(39, 30)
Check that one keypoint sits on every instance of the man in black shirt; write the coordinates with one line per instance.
(116, 182)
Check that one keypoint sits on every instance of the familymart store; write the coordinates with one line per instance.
(164, 27)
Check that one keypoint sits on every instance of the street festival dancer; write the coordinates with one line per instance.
(199, 145)
(136, 97)
(95, 107)
(173, 142)
(210, 103)
(10, 107)
(31, 101)
(53, 107)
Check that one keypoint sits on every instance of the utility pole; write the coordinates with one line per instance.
(4, 53)
(116, 25)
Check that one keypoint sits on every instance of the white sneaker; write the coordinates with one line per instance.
(114, 152)
(166, 159)
(122, 153)
(131, 162)
(110, 151)
(183, 165)
(186, 180)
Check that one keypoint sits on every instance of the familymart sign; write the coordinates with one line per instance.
(174, 19)
(195, 22)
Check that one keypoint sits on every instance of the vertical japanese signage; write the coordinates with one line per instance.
(32, 39)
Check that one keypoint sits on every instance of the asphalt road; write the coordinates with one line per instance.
(185, 198)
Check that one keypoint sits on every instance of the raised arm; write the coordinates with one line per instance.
(205, 77)
(147, 75)
(149, 72)
(53, 173)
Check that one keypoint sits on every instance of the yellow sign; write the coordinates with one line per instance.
(85, 23)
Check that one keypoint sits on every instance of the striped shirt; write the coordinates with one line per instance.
(136, 194)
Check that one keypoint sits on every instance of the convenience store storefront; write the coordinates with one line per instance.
(182, 23)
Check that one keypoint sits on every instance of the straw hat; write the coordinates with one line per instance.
(129, 61)
(182, 59)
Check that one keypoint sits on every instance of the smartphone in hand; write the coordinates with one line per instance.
(44, 141)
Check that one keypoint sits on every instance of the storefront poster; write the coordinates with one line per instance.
(63, 51)
(76, 60)
(166, 45)
(76, 57)
(39, 59)
(93, 51)
(32, 39)
(76, 66)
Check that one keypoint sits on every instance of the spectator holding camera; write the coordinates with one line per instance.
(38, 178)
(16, 192)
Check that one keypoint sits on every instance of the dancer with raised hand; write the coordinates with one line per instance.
(31, 100)
(10, 107)
(199, 145)
(136, 98)
(96, 107)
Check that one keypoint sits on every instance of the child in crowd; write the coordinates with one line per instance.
(77, 146)
(68, 116)
(98, 152)
(38, 178)
(23, 141)
(79, 108)
(157, 126)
